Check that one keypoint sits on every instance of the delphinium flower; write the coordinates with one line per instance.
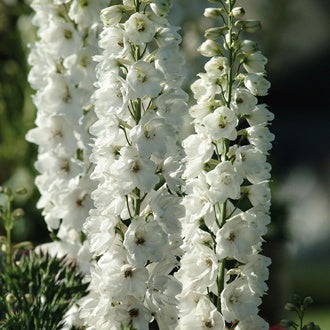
(227, 196)
(134, 229)
(63, 73)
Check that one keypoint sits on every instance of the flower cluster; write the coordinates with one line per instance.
(227, 193)
(62, 74)
(134, 229)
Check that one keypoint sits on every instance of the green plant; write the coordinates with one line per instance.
(36, 290)
(299, 306)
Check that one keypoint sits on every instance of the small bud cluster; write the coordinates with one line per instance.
(299, 307)
(134, 229)
(227, 191)
(62, 74)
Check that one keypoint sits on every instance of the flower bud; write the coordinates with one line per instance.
(249, 46)
(307, 301)
(7, 191)
(311, 326)
(238, 12)
(112, 15)
(249, 26)
(3, 248)
(10, 298)
(286, 323)
(296, 299)
(18, 213)
(215, 33)
(213, 12)
(28, 297)
(210, 48)
(21, 191)
(290, 307)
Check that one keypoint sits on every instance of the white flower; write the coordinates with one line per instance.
(256, 272)
(235, 239)
(258, 218)
(121, 279)
(238, 302)
(138, 172)
(221, 124)
(153, 136)
(204, 316)
(139, 29)
(257, 84)
(210, 48)
(260, 115)
(224, 181)
(199, 269)
(216, 67)
(200, 110)
(258, 194)
(252, 322)
(260, 137)
(85, 13)
(61, 38)
(161, 7)
(243, 101)
(112, 41)
(112, 15)
(248, 46)
(204, 88)
(255, 62)
(251, 163)
(199, 150)
(145, 241)
(131, 312)
(144, 80)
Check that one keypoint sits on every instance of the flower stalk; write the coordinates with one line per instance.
(227, 179)
(134, 231)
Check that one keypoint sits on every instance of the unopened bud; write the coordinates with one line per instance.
(3, 247)
(238, 12)
(210, 48)
(10, 298)
(215, 33)
(249, 46)
(307, 301)
(7, 191)
(311, 326)
(21, 191)
(286, 323)
(213, 12)
(296, 299)
(249, 26)
(28, 297)
(112, 15)
(18, 213)
(290, 307)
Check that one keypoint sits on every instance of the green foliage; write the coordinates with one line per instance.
(299, 306)
(37, 290)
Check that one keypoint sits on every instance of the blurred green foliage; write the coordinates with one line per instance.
(16, 118)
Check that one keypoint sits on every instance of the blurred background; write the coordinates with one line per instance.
(296, 40)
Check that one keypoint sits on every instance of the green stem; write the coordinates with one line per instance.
(301, 320)
(8, 227)
(137, 202)
(221, 270)
(220, 282)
